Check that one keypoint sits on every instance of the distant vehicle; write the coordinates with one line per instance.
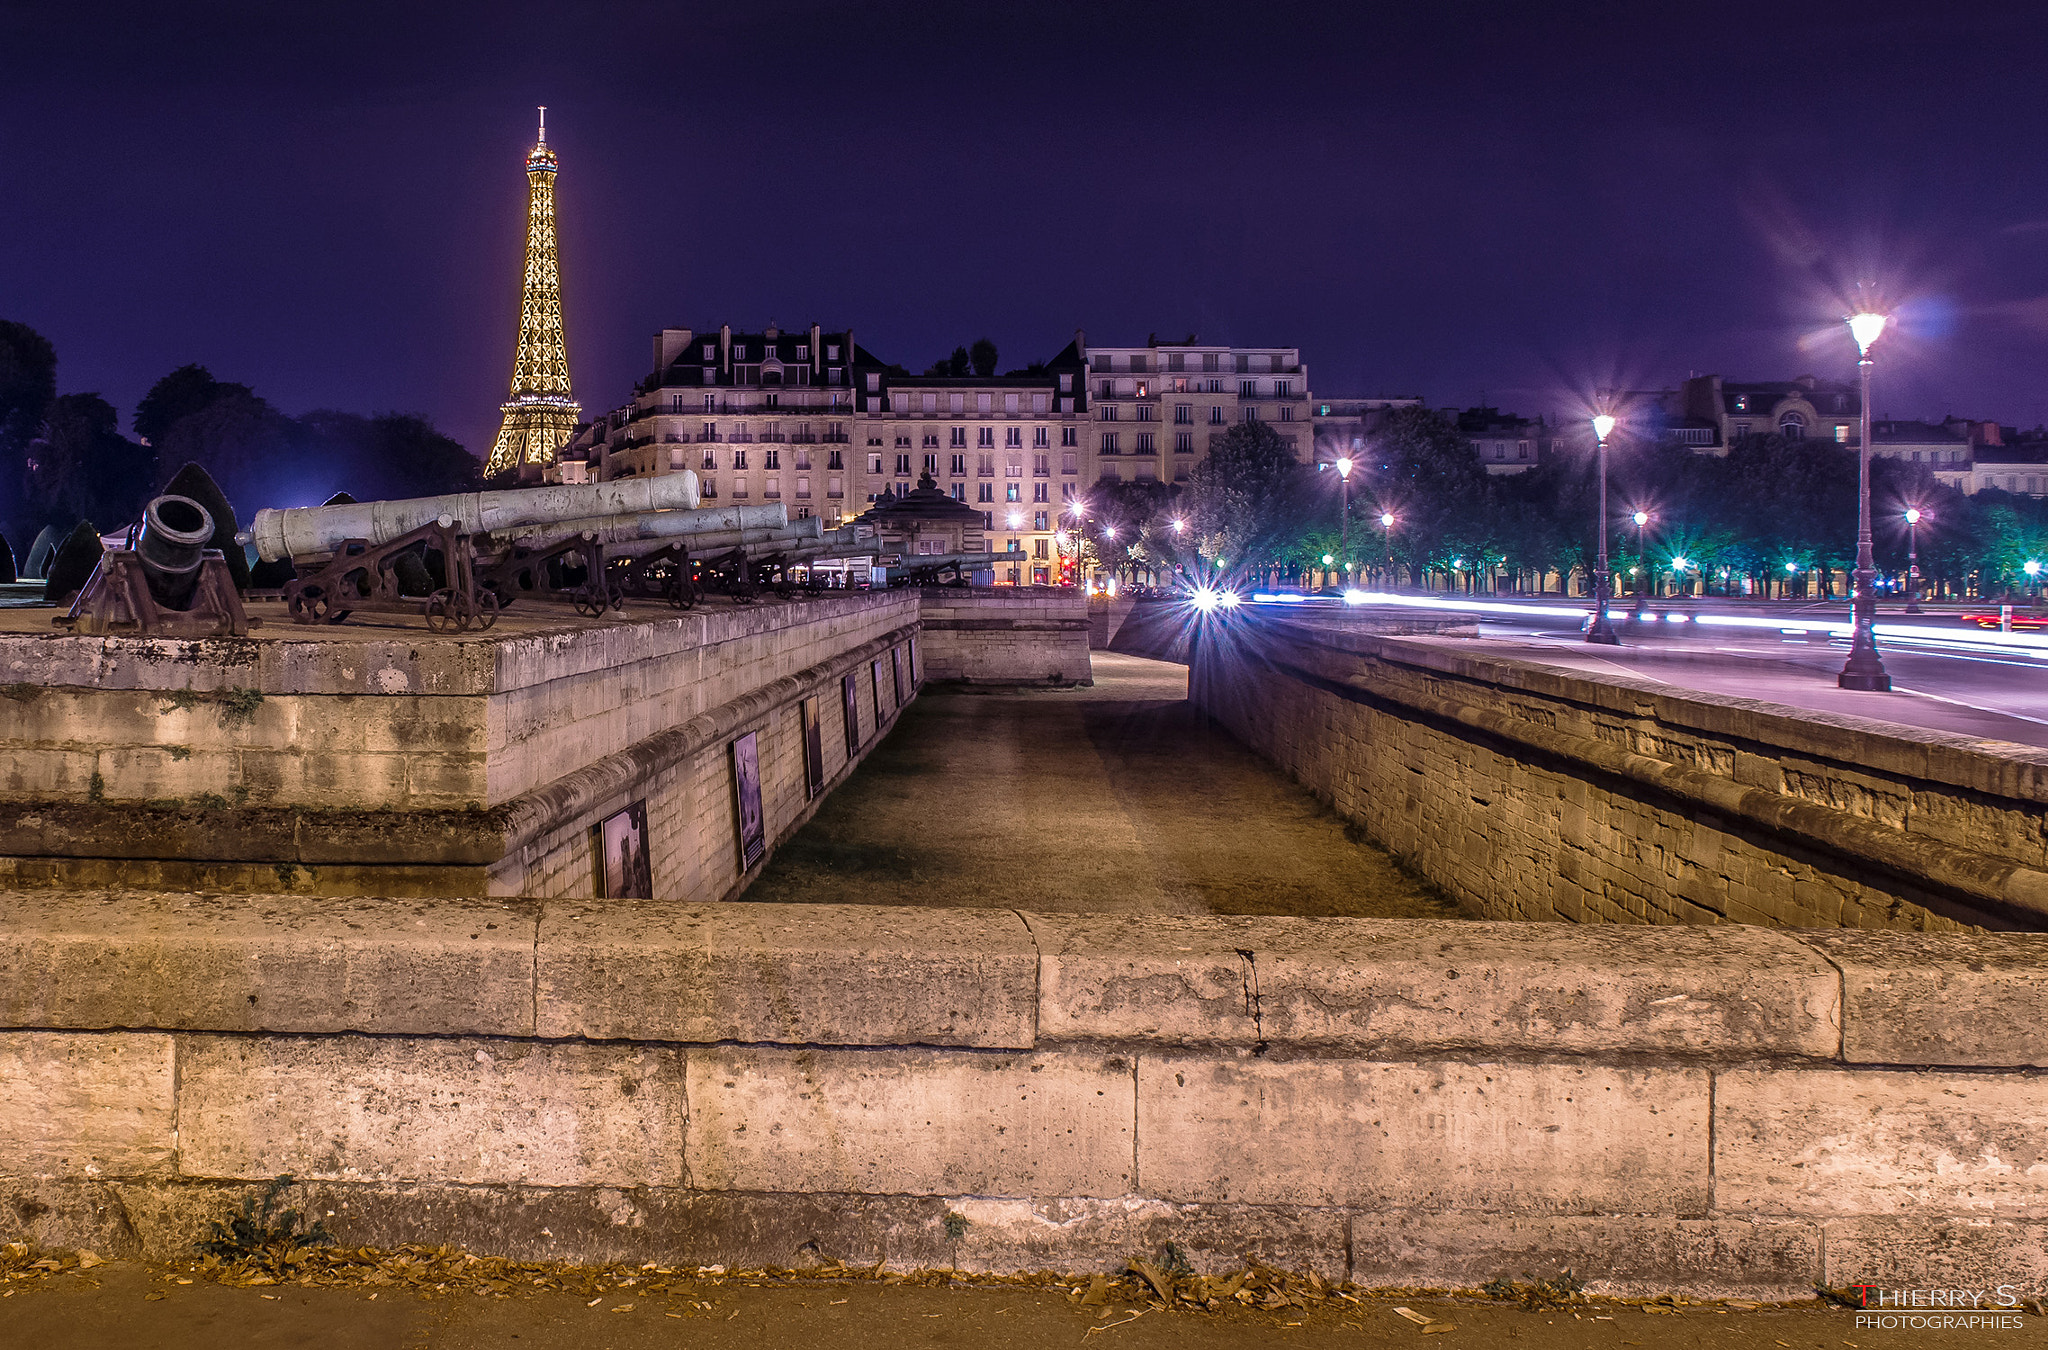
(2026, 621)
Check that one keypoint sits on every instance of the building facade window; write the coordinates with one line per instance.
(958, 466)
(1070, 435)
(985, 437)
(1038, 492)
(1109, 445)
(1183, 442)
(985, 492)
(1215, 417)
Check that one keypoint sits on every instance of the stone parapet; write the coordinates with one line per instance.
(346, 762)
(1722, 1110)
(1005, 635)
(1529, 792)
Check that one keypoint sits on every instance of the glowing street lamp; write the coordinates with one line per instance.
(1864, 670)
(1387, 542)
(1344, 467)
(1912, 560)
(1179, 525)
(1642, 520)
(1601, 631)
(2033, 570)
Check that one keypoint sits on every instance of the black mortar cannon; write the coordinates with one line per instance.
(167, 583)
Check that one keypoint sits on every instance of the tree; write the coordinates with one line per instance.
(187, 390)
(82, 468)
(390, 455)
(1246, 499)
(959, 365)
(1424, 470)
(28, 385)
(251, 449)
(983, 356)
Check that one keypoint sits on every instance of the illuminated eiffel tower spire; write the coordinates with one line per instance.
(540, 416)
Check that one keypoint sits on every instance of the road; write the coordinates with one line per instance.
(1946, 675)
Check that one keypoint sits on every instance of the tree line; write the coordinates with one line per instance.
(64, 457)
(1772, 517)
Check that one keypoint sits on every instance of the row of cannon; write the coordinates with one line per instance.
(460, 558)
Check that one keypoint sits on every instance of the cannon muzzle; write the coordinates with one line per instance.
(171, 546)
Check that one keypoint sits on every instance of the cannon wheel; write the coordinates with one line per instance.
(445, 612)
(592, 598)
(309, 604)
(486, 609)
(678, 589)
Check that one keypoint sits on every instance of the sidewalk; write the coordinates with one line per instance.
(127, 1306)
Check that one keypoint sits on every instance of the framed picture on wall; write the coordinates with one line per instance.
(746, 788)
(875, 669)
(849, 704)
(896, 673)
(623, 872)
(814, 748)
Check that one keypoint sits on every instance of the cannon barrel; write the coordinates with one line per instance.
(316, 531)
(656, 527)
(721, 541)
(171, 546)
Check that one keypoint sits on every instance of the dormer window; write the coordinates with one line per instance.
(831, 351)
(803, 351)
(710, 351)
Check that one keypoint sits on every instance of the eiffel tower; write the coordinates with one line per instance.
(540, 417)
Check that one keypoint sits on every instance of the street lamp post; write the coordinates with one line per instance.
(1912, 560)
(1642, 574)
(1602, 632)
(1864, 670)
(1387, 543)
(1344, 515)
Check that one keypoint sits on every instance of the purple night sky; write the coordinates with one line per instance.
(1456, 200)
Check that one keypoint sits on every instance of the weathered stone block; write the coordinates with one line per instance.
(1621, 1255)
(265, 963)
(1534, 1138)
(1861, 1141)
(912, 1122)
(1995, 1256)
(788, 974)
(1942, 998)
(1382, 984)
(480, 1112)
(1089, 1235)
(87, 1105)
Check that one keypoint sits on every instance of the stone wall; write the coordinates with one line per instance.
(1731, 1109)
(362, 760)
(1005, 635)
(1529, 792)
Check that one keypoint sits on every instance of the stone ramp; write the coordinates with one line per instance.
(1116, 798)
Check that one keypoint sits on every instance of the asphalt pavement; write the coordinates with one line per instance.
(1947, 674)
